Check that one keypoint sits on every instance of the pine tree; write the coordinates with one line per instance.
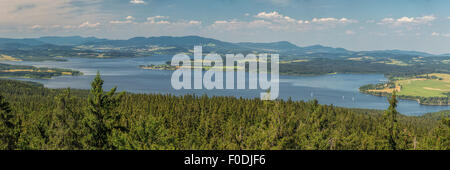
(8, 135)
(390, 122)
(100, 118)
(65, 125)
(440, 137)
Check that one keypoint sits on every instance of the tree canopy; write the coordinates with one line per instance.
(34, 117)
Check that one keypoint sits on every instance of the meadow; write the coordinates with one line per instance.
(425, 87)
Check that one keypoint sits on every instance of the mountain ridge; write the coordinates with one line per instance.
(187, 42)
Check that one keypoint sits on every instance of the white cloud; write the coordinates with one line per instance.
(324, 20)
(47, 14)
(436, 34)
(129, 18)
(137, 2)
(274, 16)
(333, 20)
(387, 20)
(345, 20)
(425, 19)
(221, 22)
(156, 26)
(278, 22)
(88, 25)
(259, 23)
(36, 27)
(349, 32)
(157, 19)
(164, 20)
(194, 22)
(41, 27)
(269, 15)
(120, 22)
(228, 25)
(407, 20)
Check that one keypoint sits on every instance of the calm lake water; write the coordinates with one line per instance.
(340, 89)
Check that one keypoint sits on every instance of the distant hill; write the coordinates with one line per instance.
(276, 46)
(69, 41)
(209, 44)
(173, 44)
(398, 52)
(7, 43)
(27, 41)
(186, 43)
(323, 49)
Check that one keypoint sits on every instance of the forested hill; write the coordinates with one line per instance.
(144, 46)
(294, 60)
(34, 117)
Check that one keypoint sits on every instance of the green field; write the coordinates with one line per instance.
(425, 87)
(422, 86)
(428, 89)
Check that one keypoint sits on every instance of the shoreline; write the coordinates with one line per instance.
(412, 98)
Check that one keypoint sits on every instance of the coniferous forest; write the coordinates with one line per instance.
(34, 117)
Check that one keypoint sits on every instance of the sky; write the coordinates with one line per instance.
(420, 25)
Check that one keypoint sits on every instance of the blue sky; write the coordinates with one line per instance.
(422, 25)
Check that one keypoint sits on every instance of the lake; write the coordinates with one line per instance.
(339, 89)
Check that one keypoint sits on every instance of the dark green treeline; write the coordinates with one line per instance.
(34, 117)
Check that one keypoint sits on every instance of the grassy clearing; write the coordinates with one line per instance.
(386, 90)
(424, 88)
(361, 58)
(396, 62)
(293, 61)
(393, 62)
(8, 58)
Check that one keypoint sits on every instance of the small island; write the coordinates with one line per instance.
(159, 67)
(168, 66)
(22, 71)
(428, 89)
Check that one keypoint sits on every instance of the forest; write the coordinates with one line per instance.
(33, 117)
(318, 66)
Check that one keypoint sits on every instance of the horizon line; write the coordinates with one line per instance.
(301, 46)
